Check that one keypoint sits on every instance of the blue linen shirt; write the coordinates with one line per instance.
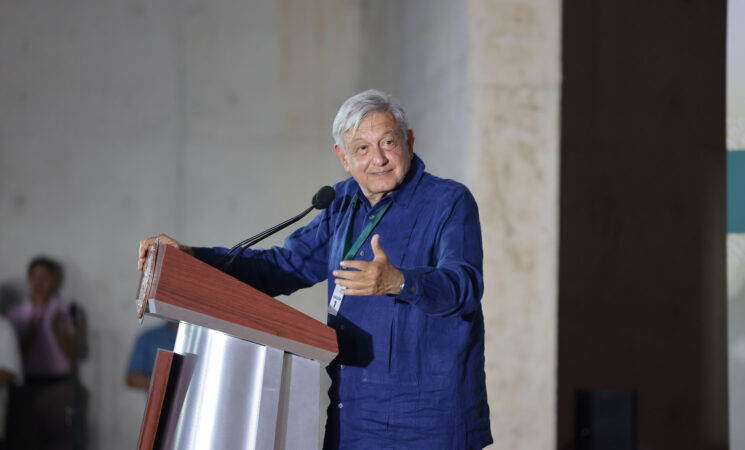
(146, 348)
(410, 369)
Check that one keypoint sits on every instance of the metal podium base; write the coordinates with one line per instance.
(234, 394)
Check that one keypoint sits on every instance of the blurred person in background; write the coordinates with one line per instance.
(43, 323)
(10, 369)
(142, 359)
(48, 411)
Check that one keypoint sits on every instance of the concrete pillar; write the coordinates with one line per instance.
(512, 168)
(480, 81)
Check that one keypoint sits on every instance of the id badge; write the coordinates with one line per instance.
(336, 299)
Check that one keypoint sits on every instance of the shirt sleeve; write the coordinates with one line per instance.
(455, 284)
(300, 263)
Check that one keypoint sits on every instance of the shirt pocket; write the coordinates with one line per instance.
(424, 349)
(406, 345)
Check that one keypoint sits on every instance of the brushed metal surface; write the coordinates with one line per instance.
(299, 398)
(234, 394)
(269, 405)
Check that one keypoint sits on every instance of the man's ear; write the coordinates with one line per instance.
(342, 156)
(411, 143)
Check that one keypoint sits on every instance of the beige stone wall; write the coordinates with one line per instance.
(513, 168)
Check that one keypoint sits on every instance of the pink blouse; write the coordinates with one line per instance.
(45, 356)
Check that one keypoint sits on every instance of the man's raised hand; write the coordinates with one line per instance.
(376, 277)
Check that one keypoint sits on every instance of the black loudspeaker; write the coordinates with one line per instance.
(605, 419)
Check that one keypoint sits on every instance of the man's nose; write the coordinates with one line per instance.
(378, 156)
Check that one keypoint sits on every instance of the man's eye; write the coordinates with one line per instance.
(362, 148)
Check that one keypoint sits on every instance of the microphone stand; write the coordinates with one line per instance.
(255, 239)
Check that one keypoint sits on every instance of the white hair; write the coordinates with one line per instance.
(360, 105)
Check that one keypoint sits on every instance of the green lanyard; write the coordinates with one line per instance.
(350, 252)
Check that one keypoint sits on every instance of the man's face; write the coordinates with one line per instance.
(377, 157)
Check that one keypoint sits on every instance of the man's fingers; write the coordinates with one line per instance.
(350, 284)
(141, 255)
(359, 292)
(376, 248)
(354, 264)
(353, 282)
(144, 248)
(164, 239)
(354, 287)
(144, 245)
(350, 275)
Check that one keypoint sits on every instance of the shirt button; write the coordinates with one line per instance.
(413, 289)
(362, 253)
(372, 217)
(341, 366)
(340, 406)
(342, 326)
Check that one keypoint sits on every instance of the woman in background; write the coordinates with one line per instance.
(47, 412)
(43, 324)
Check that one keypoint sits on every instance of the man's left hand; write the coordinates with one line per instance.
(376, 277)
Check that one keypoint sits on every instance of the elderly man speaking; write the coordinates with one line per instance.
(401, 249)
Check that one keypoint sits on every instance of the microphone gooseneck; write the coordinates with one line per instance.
(321, 200)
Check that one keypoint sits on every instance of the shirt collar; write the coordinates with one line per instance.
(404, 192)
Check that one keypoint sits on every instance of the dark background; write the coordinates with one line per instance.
(642, 289)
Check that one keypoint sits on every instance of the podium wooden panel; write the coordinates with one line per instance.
(156, 398)
(241, 351)
(182, 287)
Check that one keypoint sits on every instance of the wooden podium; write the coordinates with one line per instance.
(245, 370)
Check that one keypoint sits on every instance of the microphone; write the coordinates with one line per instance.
(323, 197)
(321, 200)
